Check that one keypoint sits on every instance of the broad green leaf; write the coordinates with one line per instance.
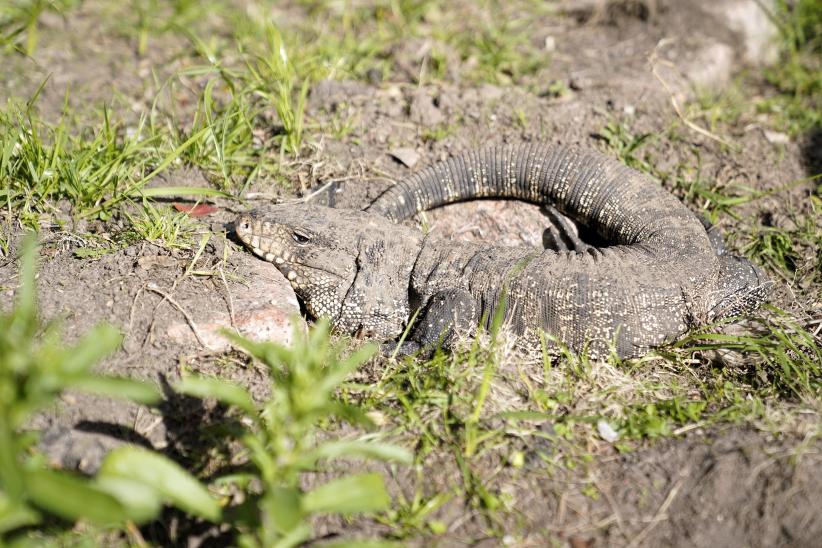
(95, 345)
(72, 497)
(363, 449)
(223, 391)
(165, 476)
(295, 537)
(350, 413)
(281, 509)
(334, 378)
(348, 495)
(14, 515)
(138, 391)
(10, 477)
(142, 502)
(256, 349)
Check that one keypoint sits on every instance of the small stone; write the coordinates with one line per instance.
(776, 137)
(606, 431)
(550, 43)
(629, 110)
(406, 156)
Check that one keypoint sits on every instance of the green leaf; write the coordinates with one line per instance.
(142, 502)
(350, 413)
(138, 391)
(348, 495)
(256, 349)
(14, 515)
(223, 391)
(165, 476)
(281, 509)
(363, 449)
(72, 497)
(333, 378)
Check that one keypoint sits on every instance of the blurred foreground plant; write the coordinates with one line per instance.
(282, 440)
(35, 368)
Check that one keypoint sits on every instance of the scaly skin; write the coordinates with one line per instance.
(660, 275)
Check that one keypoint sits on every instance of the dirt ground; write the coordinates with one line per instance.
(726, 486)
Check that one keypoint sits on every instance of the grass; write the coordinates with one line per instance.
(19, 28)
(280, 440)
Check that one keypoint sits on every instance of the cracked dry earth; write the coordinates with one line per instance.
(729, 486)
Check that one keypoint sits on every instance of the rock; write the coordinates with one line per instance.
(606, 431)
(504, 222)
(752, 25)
(264, 310)
(711, 66)
(406, 156)
(73, 449)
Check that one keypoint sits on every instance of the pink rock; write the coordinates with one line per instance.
(265, 309)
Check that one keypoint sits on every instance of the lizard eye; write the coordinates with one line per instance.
(300, 237)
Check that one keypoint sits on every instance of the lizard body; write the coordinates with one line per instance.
(661, 273)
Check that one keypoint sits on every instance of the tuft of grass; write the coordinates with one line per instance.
(18, 21)
(155, 17)
(624, 145)
(164, 227)
(45, 166)
(798, 76)
(288, 96)
(713, 197)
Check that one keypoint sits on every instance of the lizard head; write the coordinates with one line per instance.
(741, 287)
(343, 264)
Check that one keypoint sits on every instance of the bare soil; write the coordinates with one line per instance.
(731, 486)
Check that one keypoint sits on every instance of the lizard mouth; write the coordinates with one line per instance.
(299, 275)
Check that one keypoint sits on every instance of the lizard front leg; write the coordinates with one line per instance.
(447, 314)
